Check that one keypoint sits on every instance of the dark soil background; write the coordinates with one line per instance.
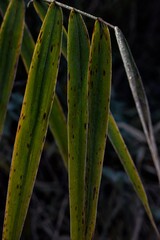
(120, 213)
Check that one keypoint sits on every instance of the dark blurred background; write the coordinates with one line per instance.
(120, 213)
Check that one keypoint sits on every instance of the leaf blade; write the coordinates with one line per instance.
(57, 121)
(99, 77)
(78, 57)
(139, 95)
(58, 127)
(129, 166)
(41, 9)
(33, 122)
(12, 25)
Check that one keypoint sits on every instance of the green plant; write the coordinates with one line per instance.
(89, 118)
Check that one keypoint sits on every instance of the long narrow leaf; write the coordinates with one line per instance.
(57, 118)
(78, 58)
(28, 44)
(139, 95)
(98, 107)
(58, 127)
(41, 9)
(57, 122)
(33, 122)
(11, 33)
(128, 164)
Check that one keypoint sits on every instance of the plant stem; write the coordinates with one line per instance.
(77, 10)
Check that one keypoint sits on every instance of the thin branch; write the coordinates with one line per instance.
(77, 10)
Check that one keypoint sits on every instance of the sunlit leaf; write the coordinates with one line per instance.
(41, 9)
(33, 122)
(78, 58)
(98, 107)
(57, 118)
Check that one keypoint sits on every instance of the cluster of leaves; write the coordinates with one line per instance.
(82, 139)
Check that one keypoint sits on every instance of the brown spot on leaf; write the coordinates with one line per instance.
(19, 127)
(44, 116)
(51, 48)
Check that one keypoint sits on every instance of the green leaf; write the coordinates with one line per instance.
(98, 107)
(33, 122)
(128, 164)
(58, 127)
(28, 46)
(12, 25)
(57, 118)
(78, 58)
(139, 95)
(41, 9)
(57, 122)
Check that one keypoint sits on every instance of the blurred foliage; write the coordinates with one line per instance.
(48, 216)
